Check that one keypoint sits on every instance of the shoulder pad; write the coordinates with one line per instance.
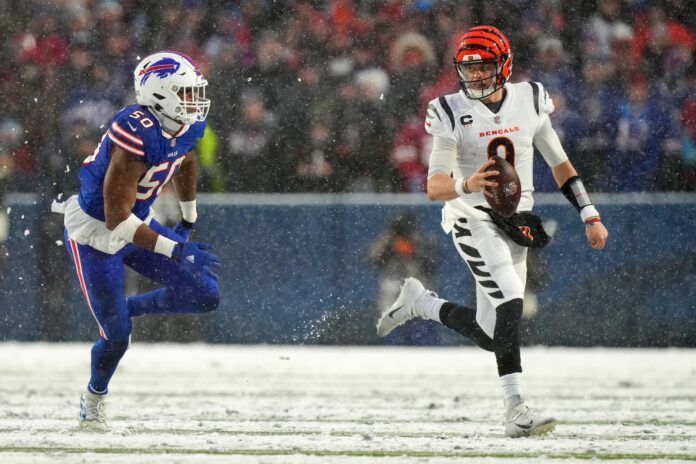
(543, 104)
(129, 131)
(439, 119)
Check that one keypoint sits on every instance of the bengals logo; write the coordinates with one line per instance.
(526, 231)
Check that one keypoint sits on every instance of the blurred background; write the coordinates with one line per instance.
(315, 159)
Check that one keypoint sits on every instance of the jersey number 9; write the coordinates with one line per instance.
(503, 147)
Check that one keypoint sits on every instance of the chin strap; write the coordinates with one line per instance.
(168, 124)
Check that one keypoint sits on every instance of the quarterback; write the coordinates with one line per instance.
(491, 116)
(109, 224)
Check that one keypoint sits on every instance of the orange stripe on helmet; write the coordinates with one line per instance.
(493, 31)
(486, 41)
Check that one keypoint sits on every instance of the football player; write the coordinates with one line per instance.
(490, 116)
(110, 224)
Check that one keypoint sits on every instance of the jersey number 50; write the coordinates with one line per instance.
(503, 147)
(154, 186)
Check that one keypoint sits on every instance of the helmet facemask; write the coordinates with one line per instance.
(480, 78)
(192, 106)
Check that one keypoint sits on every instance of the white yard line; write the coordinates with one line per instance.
(270, 404)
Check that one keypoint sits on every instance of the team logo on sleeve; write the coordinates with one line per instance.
(162, 68)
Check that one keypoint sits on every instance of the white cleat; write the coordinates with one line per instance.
(520, 421)
(93, 412)
(403, 309)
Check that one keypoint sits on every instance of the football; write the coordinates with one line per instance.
(504, 198)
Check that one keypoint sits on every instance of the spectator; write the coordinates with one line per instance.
(69, 62)
(253, 161)
(605, 24)
(645, 133)
(413, 60)
(362, 133)
(552, 69)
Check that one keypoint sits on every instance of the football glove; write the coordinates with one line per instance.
(195, 259)
(183, 229)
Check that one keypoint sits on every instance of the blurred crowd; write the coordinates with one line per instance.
(329, 95)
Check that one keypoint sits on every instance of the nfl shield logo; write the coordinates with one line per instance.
(173, 142)
(496, 119)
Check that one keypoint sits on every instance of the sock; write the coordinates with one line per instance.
(91, 389)
(105, 357)
(429, 307)
(463, 320)
(512, 389)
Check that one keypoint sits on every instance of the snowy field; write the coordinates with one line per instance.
(269, 404)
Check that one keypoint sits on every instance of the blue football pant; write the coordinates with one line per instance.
(101, 279)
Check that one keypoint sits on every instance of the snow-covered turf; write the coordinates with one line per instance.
(280, 404)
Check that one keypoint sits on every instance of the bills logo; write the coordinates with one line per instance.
(162, 68)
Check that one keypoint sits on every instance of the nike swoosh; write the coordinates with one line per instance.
(526, 427)
(129, 125)
(391, 314)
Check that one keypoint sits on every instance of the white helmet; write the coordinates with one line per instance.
(171, 84)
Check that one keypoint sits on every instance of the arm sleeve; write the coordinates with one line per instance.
(549, 145)
(546, 139)
(443, 156)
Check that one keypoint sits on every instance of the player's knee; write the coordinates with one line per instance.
(209, 297)
(510, 312)
(508, 281)
(118, 331)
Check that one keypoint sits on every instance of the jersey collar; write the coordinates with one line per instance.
(182, 130)
(178, 133)
(483, 110)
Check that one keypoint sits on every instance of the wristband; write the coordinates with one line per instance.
(165, 246)
(126, 229)
(589, 215)
(188, 210)
(460, 187)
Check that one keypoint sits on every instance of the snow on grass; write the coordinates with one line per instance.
(280, 404)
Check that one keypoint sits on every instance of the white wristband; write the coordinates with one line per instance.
(459, 186)
(588, 212)
(165, 246)
(126, 229)
(188, 210)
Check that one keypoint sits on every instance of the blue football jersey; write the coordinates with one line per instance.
(137, 131)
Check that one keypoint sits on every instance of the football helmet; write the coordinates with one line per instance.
(172, 85)
(483, 54)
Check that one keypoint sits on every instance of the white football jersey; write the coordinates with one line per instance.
(522, 122)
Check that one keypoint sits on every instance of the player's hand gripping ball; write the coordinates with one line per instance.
(504, 198)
